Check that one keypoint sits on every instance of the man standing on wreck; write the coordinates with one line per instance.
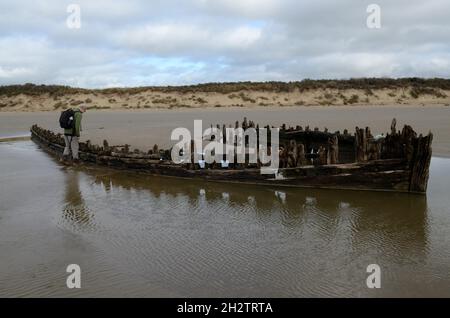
(70, 120)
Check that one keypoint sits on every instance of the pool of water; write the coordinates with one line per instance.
(136, 235)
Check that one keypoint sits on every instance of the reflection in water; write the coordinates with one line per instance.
(75, 212)
(365, 211)
(297, 236)
(153, 236)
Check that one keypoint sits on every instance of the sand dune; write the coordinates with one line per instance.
(40, 98)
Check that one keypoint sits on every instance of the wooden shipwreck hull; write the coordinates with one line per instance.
(398, 161)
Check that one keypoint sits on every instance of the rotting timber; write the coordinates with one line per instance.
(398, 161)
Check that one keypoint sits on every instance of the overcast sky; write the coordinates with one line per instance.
(172, 42)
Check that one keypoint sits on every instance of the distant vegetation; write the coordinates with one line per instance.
(418, 87)
(33, 90)
(362, 91)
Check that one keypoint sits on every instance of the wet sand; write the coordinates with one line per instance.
(144, 236)
(142, 129)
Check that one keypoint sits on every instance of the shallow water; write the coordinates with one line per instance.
(136, 235)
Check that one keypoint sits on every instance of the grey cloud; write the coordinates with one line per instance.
(139, 42)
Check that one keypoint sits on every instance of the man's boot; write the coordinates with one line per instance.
(64, 158)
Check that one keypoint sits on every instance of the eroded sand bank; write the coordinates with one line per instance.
(127, 99)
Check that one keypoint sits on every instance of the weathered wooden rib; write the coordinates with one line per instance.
(398, 161)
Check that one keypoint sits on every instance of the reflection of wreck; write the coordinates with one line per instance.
(373, 220)
(398, 161)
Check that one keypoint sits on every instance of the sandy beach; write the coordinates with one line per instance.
(143, 128)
